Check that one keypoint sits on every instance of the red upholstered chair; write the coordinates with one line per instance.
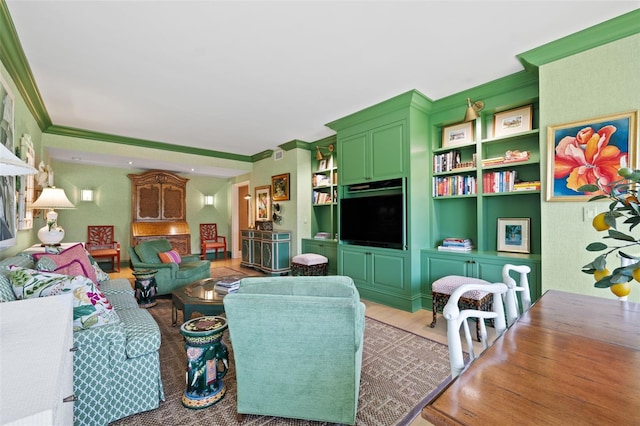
(101, 244)
(209, 239)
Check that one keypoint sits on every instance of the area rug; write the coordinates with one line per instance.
(223, 271)
(399, 370)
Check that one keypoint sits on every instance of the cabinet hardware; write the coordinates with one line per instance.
(70, 398)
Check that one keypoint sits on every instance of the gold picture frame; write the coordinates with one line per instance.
(457, 134)
(280, 187)
(263, 203)
(513, 121)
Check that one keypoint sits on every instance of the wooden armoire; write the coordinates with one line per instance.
(158, 209)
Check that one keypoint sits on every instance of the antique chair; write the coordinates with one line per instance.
(456, 318)
(297, 344)
(209, 239)
(101, 244)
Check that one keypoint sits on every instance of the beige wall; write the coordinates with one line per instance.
(598, 82)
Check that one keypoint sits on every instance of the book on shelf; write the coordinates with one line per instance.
(449, 248)
(527, 186)
(322, 236)
(456, 242)
(321, 197)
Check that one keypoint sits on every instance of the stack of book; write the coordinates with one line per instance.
(456, 244)
(527, 186)
(227, 285)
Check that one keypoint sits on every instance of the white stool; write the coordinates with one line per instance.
(442, 288)
(309, 264)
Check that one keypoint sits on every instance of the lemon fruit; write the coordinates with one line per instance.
(598, 222)
(601, 273)
(636, 274)
(621, 289)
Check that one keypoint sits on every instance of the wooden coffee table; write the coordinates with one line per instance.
(198, 296)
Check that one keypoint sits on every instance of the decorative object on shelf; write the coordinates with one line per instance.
(473, 108)
(624, 195)
(277, 213)
(514, 235)
(26, 183)
(207, 361)
(516, 120)
(265, 225)
(146, 287)
(280, 186)
(52, 198)
(263, 203)
(457, 134)
(86, 195)
(320, 156)
(583, 152)
(44, 177)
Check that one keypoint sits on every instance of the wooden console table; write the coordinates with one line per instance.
(570, 359)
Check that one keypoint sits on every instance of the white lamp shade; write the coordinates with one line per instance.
(10, 165)
(52, 198)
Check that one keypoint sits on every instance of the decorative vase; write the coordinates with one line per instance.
(207, 361)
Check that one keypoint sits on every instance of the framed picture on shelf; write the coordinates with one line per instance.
(457, 134)
(514, 235)
(280, 186)
(322, 164)
(263, 203)
(513, 121)
(583, 152)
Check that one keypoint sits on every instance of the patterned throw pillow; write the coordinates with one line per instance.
(171, 256)
(66, 257)
(101, 275)
(6, 292)
(90, 306)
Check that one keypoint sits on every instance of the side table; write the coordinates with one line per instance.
(146, 287)
(207, 361)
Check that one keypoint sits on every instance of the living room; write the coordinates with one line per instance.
(564, 95)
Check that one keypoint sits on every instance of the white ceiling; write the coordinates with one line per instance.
(246, 76)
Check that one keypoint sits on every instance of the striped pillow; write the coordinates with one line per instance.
(171, 256)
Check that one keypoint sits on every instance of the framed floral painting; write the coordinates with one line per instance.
(583, 152)
(263, 203)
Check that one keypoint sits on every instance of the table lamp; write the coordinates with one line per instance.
(52, 198)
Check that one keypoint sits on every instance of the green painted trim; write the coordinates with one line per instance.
(333, 139)
(14, 59)
(262, 155)
(124, 140)
(291, 145)
(598, 35)
(412, 98)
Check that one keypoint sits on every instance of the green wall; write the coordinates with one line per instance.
(601, 81)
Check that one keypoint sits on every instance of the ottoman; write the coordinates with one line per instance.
(309, 264)
(442, 288)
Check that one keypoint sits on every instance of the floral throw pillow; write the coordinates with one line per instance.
(90, 306)
(101, 275)
(171, 256)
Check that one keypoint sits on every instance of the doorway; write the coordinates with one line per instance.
(242, 217)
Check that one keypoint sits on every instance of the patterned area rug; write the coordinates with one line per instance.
(223, 271)
(399, 370)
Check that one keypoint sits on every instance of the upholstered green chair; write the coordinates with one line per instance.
(297, 345)
(170, 275)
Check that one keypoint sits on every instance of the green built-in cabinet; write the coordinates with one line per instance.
(326, 248)
(383, 142)
(475, 215)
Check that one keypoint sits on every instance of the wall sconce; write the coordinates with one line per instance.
(86, 195)
(472, 110)
(319, 155)
(208, 200)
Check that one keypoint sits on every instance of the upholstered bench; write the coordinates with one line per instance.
(442, 288)
(309, 264)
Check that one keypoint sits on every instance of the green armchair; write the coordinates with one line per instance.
(170, 275)
(297, 344)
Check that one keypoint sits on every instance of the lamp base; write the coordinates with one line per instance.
(50, 237)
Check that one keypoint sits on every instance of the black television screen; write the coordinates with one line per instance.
(373, 220)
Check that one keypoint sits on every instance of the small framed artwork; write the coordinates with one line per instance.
(458, 134)
(263, 203)
(514, 235)
(322, 165)
(513, 121)
(280, 185)
(588, 151)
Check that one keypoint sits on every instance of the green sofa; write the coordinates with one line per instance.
(297, 345)
(170, 275)
(116, 368)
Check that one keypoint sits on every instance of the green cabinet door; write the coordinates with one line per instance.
(355, 264)
(375, 154)
(326, 248)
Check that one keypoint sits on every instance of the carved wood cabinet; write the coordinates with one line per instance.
(158, 209)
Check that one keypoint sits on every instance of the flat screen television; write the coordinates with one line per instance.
(376, 220)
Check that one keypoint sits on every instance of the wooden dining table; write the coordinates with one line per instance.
(569, 360)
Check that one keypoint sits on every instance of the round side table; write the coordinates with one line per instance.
(207, 361)
(146, 287)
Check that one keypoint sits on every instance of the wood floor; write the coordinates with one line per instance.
(415, 322)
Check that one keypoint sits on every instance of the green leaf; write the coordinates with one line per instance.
(588, 188)
(620, 236)
(597, 247)
(600, 262)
